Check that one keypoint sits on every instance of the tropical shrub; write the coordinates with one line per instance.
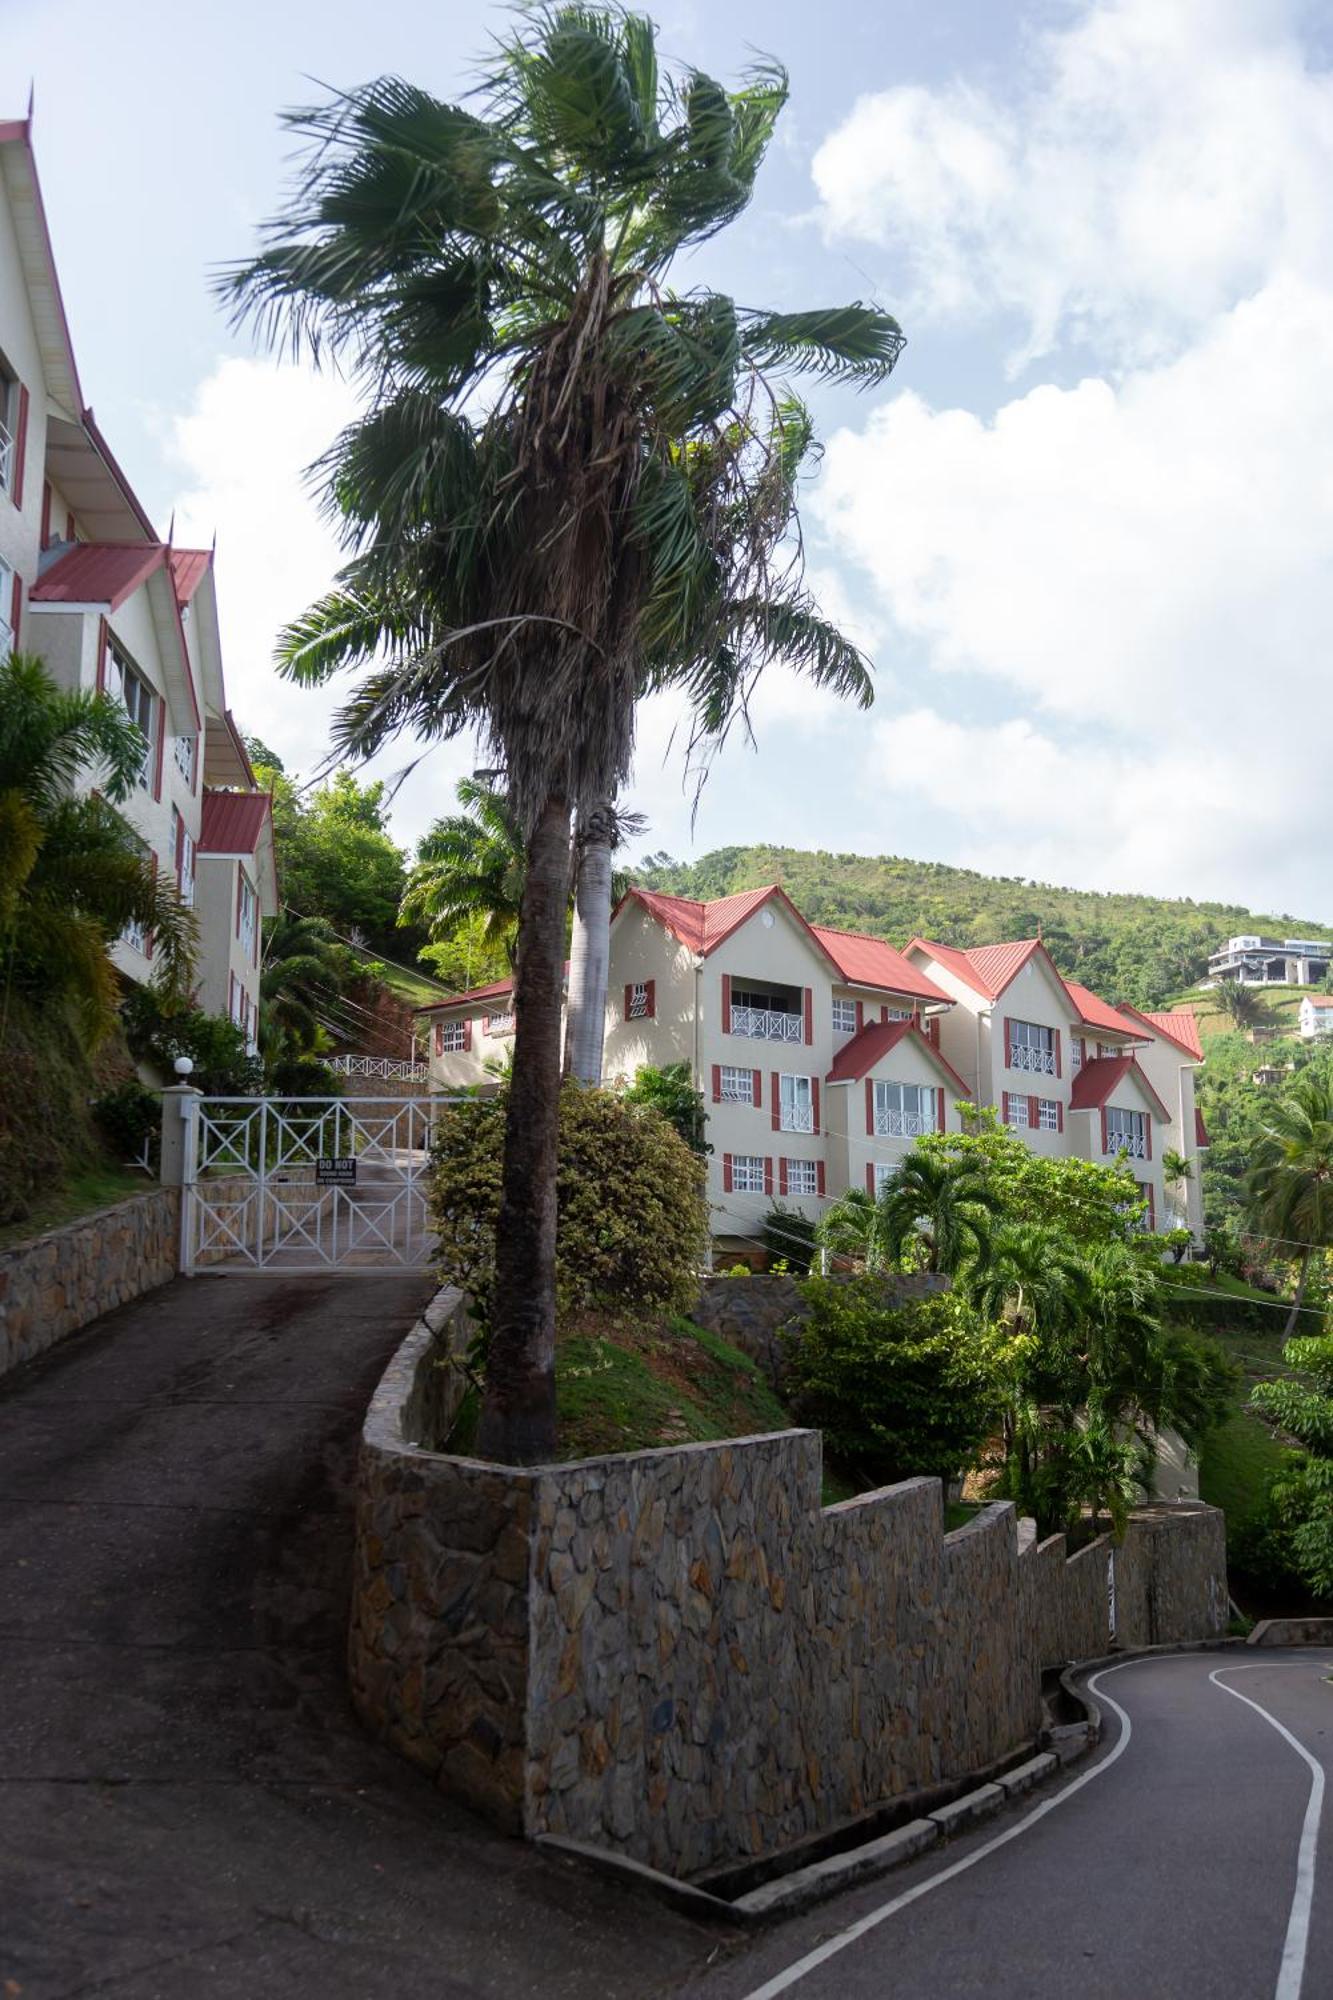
(790, 1238)
(671, 1091)
(130, 1119)
(304, 1076)
(159, 1034)
(898, 1389)
(632, 1233)
(1301, 1496)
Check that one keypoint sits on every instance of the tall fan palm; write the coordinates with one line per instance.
(470, 865)
(305, 969)
(566, 463)
(73, 873)
(943, 1205)
(1291, 1181)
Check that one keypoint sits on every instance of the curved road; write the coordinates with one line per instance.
(1186, 1860)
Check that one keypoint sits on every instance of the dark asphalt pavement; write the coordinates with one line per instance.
(188, 1808)
(1168, 1869)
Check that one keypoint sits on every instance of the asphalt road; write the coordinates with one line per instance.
(1184, 1861)
(188, 1808)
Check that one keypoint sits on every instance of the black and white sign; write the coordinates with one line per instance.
(336, 1173)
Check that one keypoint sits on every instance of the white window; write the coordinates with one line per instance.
(736, 1086)
(899, 1013)
(6, 602)
(1048, 1115)
(747, 1173)
(9, 399)
(796, 1111)
(184, 753)
(135, 935)
(1109, 1049)
(884, 1173)
(184, 850)
(772, 1014)
(249, 916)
(500, 1024)
(1031, 1047)
(136, 698)
(844, 1017)
(1127, 1132)
(638, 1001)
(1018, 1119)
(237, 1002)
(904, 1110)
(450, 1036)
(802, 1177)
(1076, 1053)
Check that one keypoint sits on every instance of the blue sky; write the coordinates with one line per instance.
(1084, 532)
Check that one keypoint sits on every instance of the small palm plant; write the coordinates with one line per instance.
(940, 1210)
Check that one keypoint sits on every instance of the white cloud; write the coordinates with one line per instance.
(1158, 158)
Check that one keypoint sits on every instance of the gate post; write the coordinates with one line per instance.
(180, 1142)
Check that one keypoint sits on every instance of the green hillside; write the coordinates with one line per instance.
(1144, 949)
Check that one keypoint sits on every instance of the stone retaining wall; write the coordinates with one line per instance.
(681, 1656)
(70, 1276)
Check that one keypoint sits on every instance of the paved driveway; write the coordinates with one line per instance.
(188, 1809)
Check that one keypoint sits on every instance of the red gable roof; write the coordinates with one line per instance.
(189, 567)
(870, 1044)
(1178, 1026)
(990, 967)
(98, 573)
(1095, 1012)
(1096, 1080)
(872, 961)
(491, 992)
(232, 822)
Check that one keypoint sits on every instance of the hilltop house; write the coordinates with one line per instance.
(1316, 1016)
(823, 1054)
(86, 583)
(1257, 961)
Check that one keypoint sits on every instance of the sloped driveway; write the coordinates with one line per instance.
(187, 1805)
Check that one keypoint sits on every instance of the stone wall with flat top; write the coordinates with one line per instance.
(680, 1655)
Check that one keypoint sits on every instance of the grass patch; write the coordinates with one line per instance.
(417, 988)
(82, 1194)
(1237, 1461)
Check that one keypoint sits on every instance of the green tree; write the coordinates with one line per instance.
(529, 503)
(336, 858)
(1302, 1490)
(851, 1230)
(305, 968)
(1291, 1183)
(1243, 1006)
(671, 1092)
(73, 872)
(940, 1208)
(469, 871)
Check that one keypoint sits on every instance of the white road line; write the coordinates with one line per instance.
(782, 1982)
(1292, 1972)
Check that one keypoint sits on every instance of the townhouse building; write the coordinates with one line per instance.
(88, 585)
(823, 1055)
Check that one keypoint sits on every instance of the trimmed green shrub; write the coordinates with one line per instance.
(130, 1119)
(633, 1221)
(790, 1238)
(216, 1046)
(898, 1389)
(304, 1076)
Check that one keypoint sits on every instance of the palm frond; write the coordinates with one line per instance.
(856, 343)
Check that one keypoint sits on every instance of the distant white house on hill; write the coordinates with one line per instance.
(1316, 1016)
(1259, 961)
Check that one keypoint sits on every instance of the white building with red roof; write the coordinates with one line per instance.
(86, 583)
(1316, 1016)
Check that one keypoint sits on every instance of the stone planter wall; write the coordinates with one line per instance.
(681, 1656)
(68, 1277)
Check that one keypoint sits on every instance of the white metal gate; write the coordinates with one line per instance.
(305, 1184)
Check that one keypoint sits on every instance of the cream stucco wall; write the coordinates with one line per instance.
(1171, 1075)
(848, 1116)
(20, 527)
(227, 955)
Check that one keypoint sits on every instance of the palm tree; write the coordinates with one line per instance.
(534, 506)
(602, 828)
(305, 967)
(470, 866)
(1291, 1181)
(1243, 1006)
(942, 1204)
(852, 1228)
(73, 872)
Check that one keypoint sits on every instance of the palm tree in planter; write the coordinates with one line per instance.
(527, 505)
(1291, 1181)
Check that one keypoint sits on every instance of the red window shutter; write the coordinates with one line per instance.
(939, 1108)
(775, 1100)
(1004, 1107)
(1152, 1206)
(782, 1176)
(726, 1003)
(69, 527)
(717, 1083)
(651, 1008)
(240, 892)
(20, 447)
(758, 1089)
(1103, 1128)
(860, 1015)
(1059, 1117)
(1059, 1070)
(870, 1179)
(16, 608)
(883, 1011)
(467, 1034)
(231, 996)
(103, 641)
(1034, 1115)
(629, 996)
(1147, 1128)
(45, 542)
(1008, 1039)
(870, 1107)
(809, 1016)
(439, 1038)
(768, 1175)
(180, 845)
(160, 716)
(152, 862)
(814, 1104)
(819, 1178)
(933, 1030)
(726, 1173)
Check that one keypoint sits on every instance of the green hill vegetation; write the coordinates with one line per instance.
(1144, 949)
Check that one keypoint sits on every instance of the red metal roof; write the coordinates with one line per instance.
(189, 567)
(98, 573)
(704, 926)
(1096, 1080)
(1178, 1026)
(872, 961)
(1095, 1012)
(872, 1043)
(491, 992)
(988, 968)
(232, 822)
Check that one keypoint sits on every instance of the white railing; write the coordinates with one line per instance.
(765, 1024)
(902, 1125)
(6, 457)
(1132, 1143)
(797, 1118)
(1041, 1061)
(387, 1067)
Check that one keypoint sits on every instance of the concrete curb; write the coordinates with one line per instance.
(1292, 1632)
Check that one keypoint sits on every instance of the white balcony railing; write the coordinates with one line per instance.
(765, 1024)
(388, 1067)
(902, 1125)
(1132, 1143)
(797, 1118)
(1040, 1061)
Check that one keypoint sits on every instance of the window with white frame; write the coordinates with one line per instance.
(185, 751)
(638, 1001)
(249, 916)
(9, 400)
(735, 1086)
(1076, 1046)
(500, 1024)
(1109, 1049)
(905, 1110)
(238, 1002)
(184, 850)
(899, 1013)
(6, 602)
(135, 696)
(747, 1173)
(1048, 1115)
(450, 1037)
(802, 1177)
(884, 1172)
(135, 935)
(1017, 1112)
(796, 1108)
(1032, 1047)
(844, 1017)
(1127, 1132)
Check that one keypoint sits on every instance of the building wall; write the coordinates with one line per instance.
(1171, 1075)
(20, 527)
(225, 955)
(907, 1063)
(642, 949)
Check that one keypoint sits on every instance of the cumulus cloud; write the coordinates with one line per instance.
(1158, 158)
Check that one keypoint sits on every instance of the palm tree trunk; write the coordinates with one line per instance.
(518, 1413)
(590, 950)
(1293, 1317)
